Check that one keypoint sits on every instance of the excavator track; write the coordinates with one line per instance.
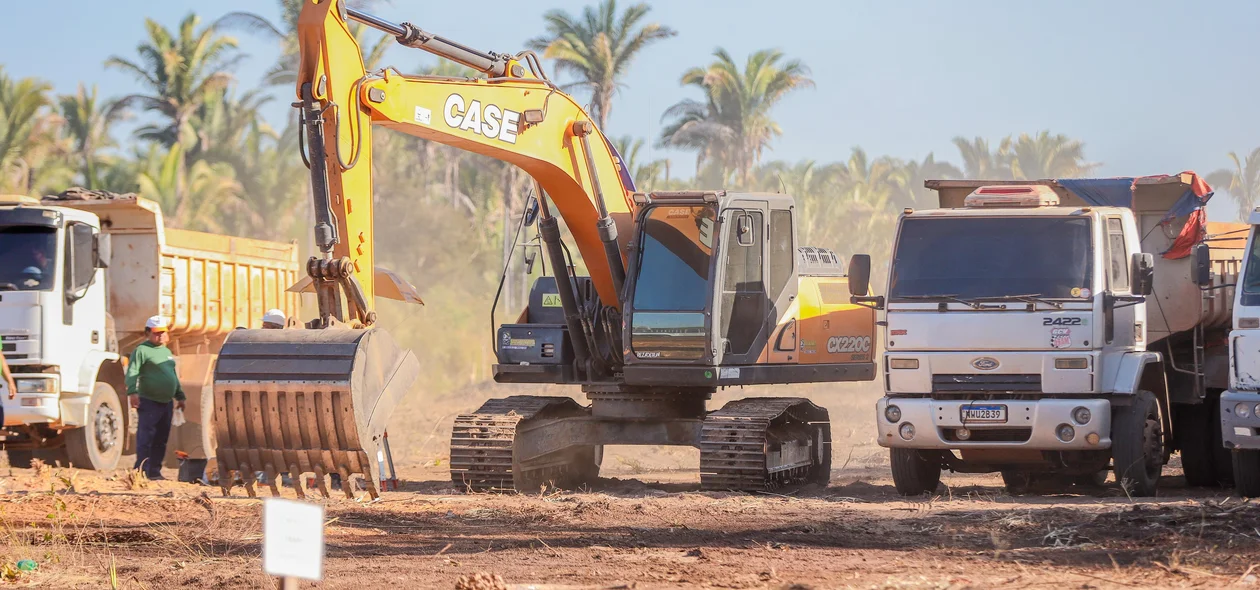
(483, 443)
(757, 444)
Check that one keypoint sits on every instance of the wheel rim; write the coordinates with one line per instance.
(105, 428)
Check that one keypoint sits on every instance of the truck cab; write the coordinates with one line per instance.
(1240, 405)
(1026, 333)
(55, 334)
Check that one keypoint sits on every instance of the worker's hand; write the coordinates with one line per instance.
(12, 389)
(179, 405)
(134, 400)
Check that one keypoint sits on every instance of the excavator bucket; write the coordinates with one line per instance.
(306, 401)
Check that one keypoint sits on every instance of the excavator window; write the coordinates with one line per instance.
(782, 254)
(674, 263)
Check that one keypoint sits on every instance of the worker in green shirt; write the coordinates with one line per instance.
(153, 389)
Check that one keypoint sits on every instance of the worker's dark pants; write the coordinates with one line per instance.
(155, 428)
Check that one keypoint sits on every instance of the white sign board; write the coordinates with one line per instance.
(293, 539)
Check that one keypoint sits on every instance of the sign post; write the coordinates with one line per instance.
(293, 541)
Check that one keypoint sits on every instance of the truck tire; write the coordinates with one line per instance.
(50, 457)
(913, 474)
(1017, 482)
(1246, 465)
(1137, 444)
(1204, 459)
(99, 444)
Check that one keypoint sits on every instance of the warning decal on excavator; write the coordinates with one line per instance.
(490, 121)
(551, 300)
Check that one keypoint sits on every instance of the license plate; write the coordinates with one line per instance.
(972, 414)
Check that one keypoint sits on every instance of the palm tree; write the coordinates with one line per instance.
(646, 175)
(913, 174)
(1242, 182)
(598, 47)
(180, 72)
(1046, 156)
(284, 72)
(211, 189)
(979, 162)
(30, 153)
(88, 122)
(733, 125)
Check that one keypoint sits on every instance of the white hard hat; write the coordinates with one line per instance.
(274, 316)
(156, 323)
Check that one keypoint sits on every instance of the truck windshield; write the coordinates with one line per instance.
(28, 254)
(674, 261)
(1251, 271)
(978, 257)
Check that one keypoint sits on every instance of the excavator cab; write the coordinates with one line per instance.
(717, 294)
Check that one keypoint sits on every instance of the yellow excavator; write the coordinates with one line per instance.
(689, 292)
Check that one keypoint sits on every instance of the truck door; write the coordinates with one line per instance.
(1119, 330)
(83, 305)
(743, 305)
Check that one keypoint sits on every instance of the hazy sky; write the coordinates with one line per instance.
(1150, 86)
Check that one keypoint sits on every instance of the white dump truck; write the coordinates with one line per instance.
(79, 274)
(1054, 330)
(1240, 406)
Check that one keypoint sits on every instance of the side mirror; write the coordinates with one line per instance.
(860, 275)
(531, 211)
(1201, 261)
(1143, 273)
(101, 251)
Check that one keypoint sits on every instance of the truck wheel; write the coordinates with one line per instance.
(1027, 482)
(1204, 460)
(50, 457)
(1194, 437)
(99, 443)
(1017, 482)
(1247, 472)
(913, 474)
(1093, 480)
(1137, 444)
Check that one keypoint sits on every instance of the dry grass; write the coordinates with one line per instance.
(135, 479)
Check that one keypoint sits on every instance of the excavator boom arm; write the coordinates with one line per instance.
(511, 116)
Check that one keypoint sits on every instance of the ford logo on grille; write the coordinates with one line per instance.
(985, 363)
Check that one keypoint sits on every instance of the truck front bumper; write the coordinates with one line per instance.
(1240, 431)
(31, 408)
(1030, 424)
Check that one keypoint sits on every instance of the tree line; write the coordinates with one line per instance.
(445, 217)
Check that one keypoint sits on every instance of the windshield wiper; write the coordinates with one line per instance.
(954, 298)
(1032, 298)
(8, 287)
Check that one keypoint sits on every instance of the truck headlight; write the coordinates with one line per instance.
(903, 363)
(892, 414)
(37, 385)
(1242, 410)
(906, 431)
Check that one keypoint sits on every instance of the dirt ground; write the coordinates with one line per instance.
(645, 525)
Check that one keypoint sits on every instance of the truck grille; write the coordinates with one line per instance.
(976, 383)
